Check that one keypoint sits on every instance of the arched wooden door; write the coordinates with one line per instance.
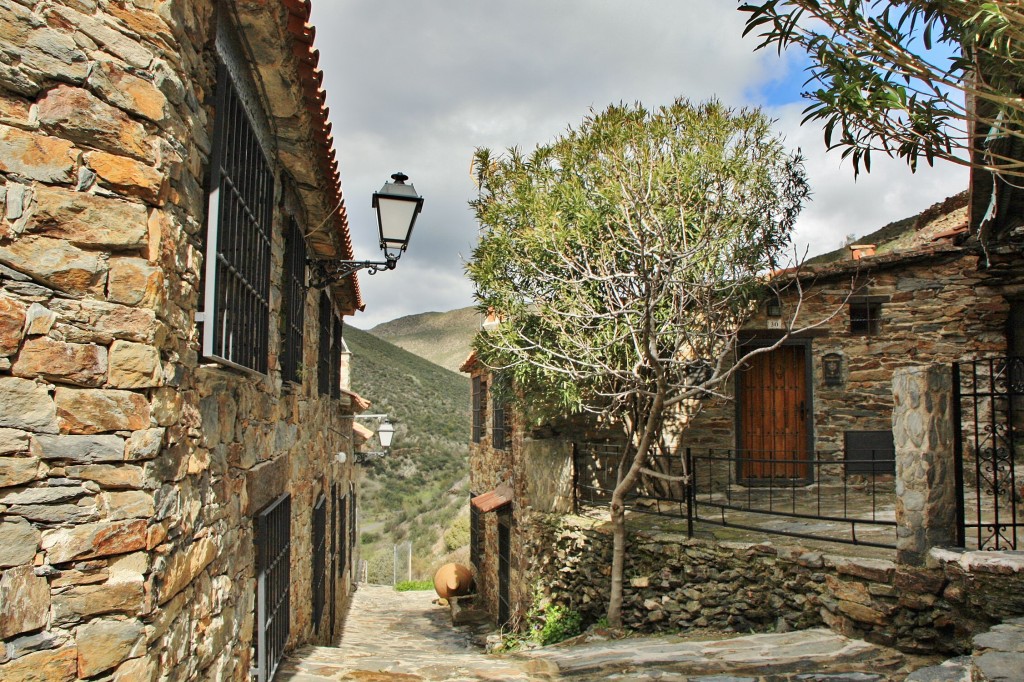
(772, 414)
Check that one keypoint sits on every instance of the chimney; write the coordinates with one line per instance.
(858, 251)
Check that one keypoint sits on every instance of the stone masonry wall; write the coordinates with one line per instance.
(130, 469)
(675, 584)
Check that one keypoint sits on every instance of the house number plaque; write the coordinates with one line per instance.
(832, 368)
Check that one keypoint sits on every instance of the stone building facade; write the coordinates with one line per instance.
(827, 391)
(170, 391)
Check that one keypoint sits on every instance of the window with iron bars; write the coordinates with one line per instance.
(337, 345)
(236, 309)
(319, 559)
(479, 401)
(323, 364)
(476, 535)
(865, 317)
(293, 297)
(499, 414)
(342, 538)
(352, 519)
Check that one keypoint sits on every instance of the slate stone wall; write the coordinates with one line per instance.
(676, 584)
(130, 468)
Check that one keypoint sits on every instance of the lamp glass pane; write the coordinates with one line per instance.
(395, 217)
(385, 434)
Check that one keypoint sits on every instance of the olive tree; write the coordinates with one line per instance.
(622, 259)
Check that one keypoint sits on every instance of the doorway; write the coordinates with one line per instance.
(773, 404)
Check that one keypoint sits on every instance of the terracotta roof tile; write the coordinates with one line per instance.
(493, 500)
(303, 33)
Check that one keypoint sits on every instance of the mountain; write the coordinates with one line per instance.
(442, 338)
(417, 493)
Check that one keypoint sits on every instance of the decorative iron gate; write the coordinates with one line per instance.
(988, 403)
(273, 585)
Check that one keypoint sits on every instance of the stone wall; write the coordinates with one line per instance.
(676, 584)
(130, 468)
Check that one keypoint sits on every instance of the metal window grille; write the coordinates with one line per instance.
(236, 318)
(479, 400)
(352, 519)
(342, 535)
(334, 556)
(319, 559)
(323, 364)
(504, 567)
(476, 535)
(337, 345)
(273, 585)
(293, 302)
(865, 317)
(499, 422)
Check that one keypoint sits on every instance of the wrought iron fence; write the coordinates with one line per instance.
(988, 418)
(829, 501)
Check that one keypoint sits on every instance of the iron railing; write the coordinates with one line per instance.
(988, 403)
(273, 585)
(825, 501)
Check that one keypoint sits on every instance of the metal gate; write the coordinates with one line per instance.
(273, 585)
(988, 405)
(504, 567)
(319, 560)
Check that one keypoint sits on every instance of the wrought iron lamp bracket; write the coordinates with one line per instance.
(326, 272)
(362, 457)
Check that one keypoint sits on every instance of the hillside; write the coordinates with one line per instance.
(442, 338)
(417, 492)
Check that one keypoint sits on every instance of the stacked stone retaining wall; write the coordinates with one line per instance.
(675, 584)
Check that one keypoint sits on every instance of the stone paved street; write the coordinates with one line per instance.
(404, 636)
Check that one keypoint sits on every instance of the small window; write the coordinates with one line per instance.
(499, 414)
(865, 317)
(479, 401)
(323, 358)
(319, 560)
(476, 535)
(337, 347)
(293, 299)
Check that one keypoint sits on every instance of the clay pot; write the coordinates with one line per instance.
(453, 580)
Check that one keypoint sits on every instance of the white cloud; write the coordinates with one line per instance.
(416, 86)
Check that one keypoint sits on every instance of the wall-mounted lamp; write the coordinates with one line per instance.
(385, 434)
(397, 206)
(774, 309)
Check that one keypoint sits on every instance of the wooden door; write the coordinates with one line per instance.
(773, 402)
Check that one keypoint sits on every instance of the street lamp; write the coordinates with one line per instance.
(385, 432)
(397, 206)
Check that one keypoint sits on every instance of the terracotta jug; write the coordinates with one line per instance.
(452, 580)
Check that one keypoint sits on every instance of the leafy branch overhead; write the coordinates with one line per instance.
(915, 79)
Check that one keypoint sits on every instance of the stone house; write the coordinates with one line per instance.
(930, 294)
(176, 473)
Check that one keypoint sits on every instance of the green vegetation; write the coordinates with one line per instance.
(457, 534)
(414, 585)
(559, 623)
(416, 492)
(442, 338)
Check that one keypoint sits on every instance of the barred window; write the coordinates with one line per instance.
(323, 364)
(342, 538)
(293, 298)
(499, 423)
(476, 535)
(236, 315)
(319, 559)
(479, 401)
(337, 346)
(865, 317)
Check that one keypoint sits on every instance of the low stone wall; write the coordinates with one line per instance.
(675, 584)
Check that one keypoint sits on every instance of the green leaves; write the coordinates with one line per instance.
(893, 75)
(628, 248)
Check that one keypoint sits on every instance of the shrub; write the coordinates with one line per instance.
(457, 534)
(414, 585)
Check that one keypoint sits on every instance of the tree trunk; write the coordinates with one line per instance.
(618, 519)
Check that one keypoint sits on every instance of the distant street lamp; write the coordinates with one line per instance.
(397, 206)
(385, 432)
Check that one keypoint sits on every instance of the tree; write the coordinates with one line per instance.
(911, 78)
(622, 260)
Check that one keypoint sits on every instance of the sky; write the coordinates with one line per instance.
(417, 86)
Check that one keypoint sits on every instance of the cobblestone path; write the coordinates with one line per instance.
(404, 636)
